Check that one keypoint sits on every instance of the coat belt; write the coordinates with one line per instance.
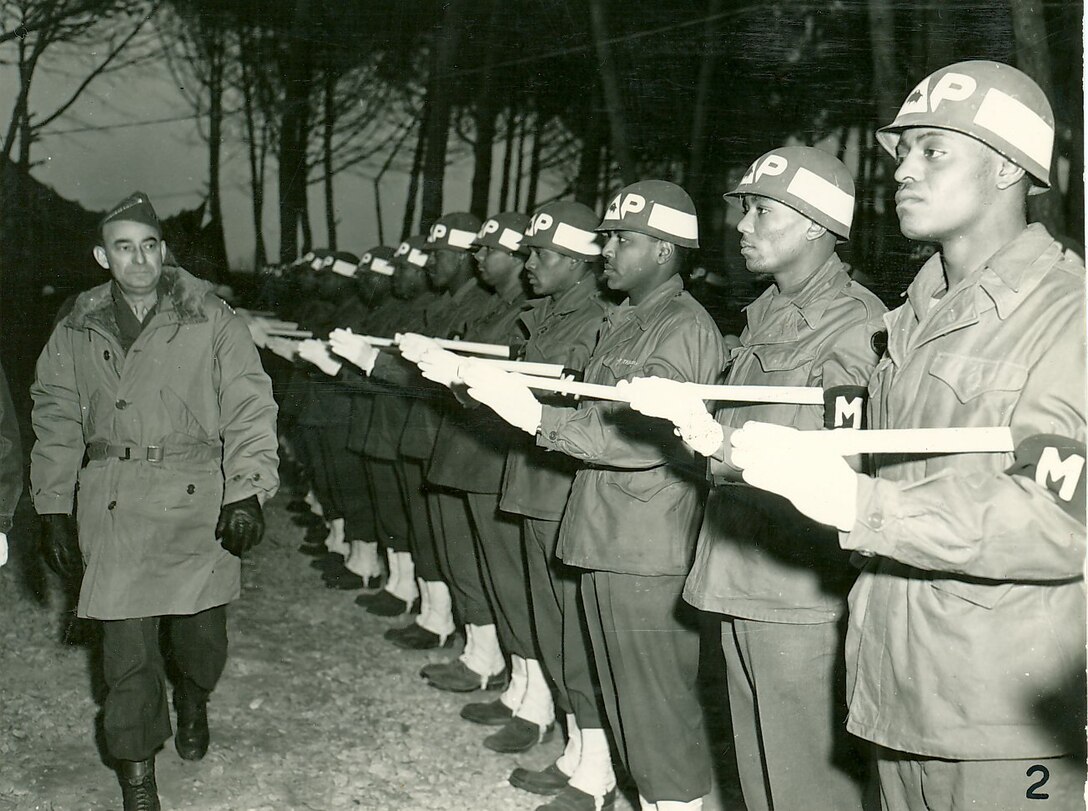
(98, 451)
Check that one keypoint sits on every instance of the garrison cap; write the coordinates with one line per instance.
(378, 260)
(656, 208)
(990, 101)
(807, 180)
(566, 227)
(134, 208)
(411, 251)
(453, 232)
(504, 231)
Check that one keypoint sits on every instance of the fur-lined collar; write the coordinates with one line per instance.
(181, 297)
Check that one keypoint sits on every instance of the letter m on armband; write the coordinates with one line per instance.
(1056, 463)
(845, 406)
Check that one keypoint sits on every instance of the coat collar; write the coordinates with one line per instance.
(645, 312)
(181, 301)
(810, 302)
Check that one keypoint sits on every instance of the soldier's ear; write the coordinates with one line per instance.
(665, 251)
(162, 249)
(100, 256)
(1008, 173)
(815, 231)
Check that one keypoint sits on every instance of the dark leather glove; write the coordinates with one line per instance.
(240, 526)
(59, 543)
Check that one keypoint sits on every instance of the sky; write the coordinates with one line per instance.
(123, 153)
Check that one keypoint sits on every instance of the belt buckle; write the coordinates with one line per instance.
(128, 454)
(155, 453)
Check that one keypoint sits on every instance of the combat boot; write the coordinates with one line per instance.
(192, 736)
(138, 789)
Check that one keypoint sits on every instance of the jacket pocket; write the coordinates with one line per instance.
(983, 595)
(781, 358)
(182, 419)
(971, 377)
(642, 485)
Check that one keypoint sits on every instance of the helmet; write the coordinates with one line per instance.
(322, 258)
(503, 231)
(453, 232)
(379, 260)
(990, 101)
(342, 263)
(565, 227)
(411, 251)
(806, 179)
(654, 207)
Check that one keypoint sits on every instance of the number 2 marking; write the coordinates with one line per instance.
(1044, 773)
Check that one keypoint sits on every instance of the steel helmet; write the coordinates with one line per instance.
(654, 207)
(503, 231)
(411, 251)
(806, 179)
(990, 101)
(565, 227)
(453, 232)
(378, 260)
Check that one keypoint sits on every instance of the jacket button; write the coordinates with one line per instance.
(876, 521)
(256, 477)
(552, 435)
(190, 489)
(111, 505)
(106, 355)
(121, 405)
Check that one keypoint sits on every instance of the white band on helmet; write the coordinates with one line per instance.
(317, 264)
(343, 268)
(381, 266)
(822, 195)
(1018, 124)
(510, 239)
(308, 257)
(673, 221)
(575, 239)
(417, 257)
(461, 239)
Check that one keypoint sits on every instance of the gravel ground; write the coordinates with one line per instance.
(315, 709)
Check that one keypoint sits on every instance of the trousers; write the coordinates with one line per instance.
(136, 713)
(457, 557)
(422, 536)
(390, 512)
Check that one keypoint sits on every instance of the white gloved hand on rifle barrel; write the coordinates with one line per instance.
(353, 348)
(413, 346)
(800, 467)
(503, 393)
(672, 400)
(441, 366)
(317, 353)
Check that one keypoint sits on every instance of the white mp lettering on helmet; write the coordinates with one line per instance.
(368, 257)
(402, 249)
(541, 222)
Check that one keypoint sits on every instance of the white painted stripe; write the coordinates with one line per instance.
(1018, 124)
(417, 257)
(673, 221)
(461, 239)
(823, 195)
(317, 264)
(575, 239)
(510, 239)
(381, 266)
(342, 268)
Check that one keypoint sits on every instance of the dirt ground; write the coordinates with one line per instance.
(315, 710)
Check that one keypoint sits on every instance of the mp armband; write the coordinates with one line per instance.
(1056, 463)
(845, 406)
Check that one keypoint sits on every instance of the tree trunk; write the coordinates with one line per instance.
(485, 111)
(292, 153)
(693, 177)
(587, 182)
(217, 57)
(1033, 57)
(413, 178)
(255, 145)
(612, 98)
(882, 46)
(330, 125)
(434, 165)
(507, 158)
(534, 165)
(519, 172)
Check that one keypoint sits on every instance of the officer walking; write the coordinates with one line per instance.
(157, 384)
(967, 623)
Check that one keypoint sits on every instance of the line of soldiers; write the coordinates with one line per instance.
(917, 610)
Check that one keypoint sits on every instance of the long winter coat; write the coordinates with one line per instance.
(191, 385)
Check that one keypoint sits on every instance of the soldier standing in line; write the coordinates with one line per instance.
(635, 509)
(966, 641)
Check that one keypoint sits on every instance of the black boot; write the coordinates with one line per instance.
(191, 738)
(138, 789)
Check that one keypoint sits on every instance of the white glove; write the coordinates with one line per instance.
(317, 353)
(354, 348)
(3, 548)
(413, 346)
(503, 393)
(798, 466)
(284, 348)
(440, 366)
(671, 400)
